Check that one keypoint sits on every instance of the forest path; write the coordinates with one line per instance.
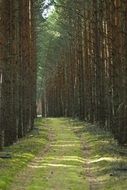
(61, 166)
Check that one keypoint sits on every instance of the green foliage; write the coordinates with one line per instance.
(53, 33)
(46, 38)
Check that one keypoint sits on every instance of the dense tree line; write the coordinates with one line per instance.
(17, 69)
(89, 77)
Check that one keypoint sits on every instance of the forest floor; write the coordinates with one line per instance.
(65, 154)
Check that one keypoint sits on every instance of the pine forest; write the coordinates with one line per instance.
(63, 94)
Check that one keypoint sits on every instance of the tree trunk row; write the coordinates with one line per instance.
(17, 69)
(90, 79)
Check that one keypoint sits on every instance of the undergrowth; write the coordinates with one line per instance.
(108, 160)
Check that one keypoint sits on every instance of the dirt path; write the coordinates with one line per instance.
(60, 166)
(93, 182)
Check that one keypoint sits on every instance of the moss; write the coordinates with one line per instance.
(22, 153)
